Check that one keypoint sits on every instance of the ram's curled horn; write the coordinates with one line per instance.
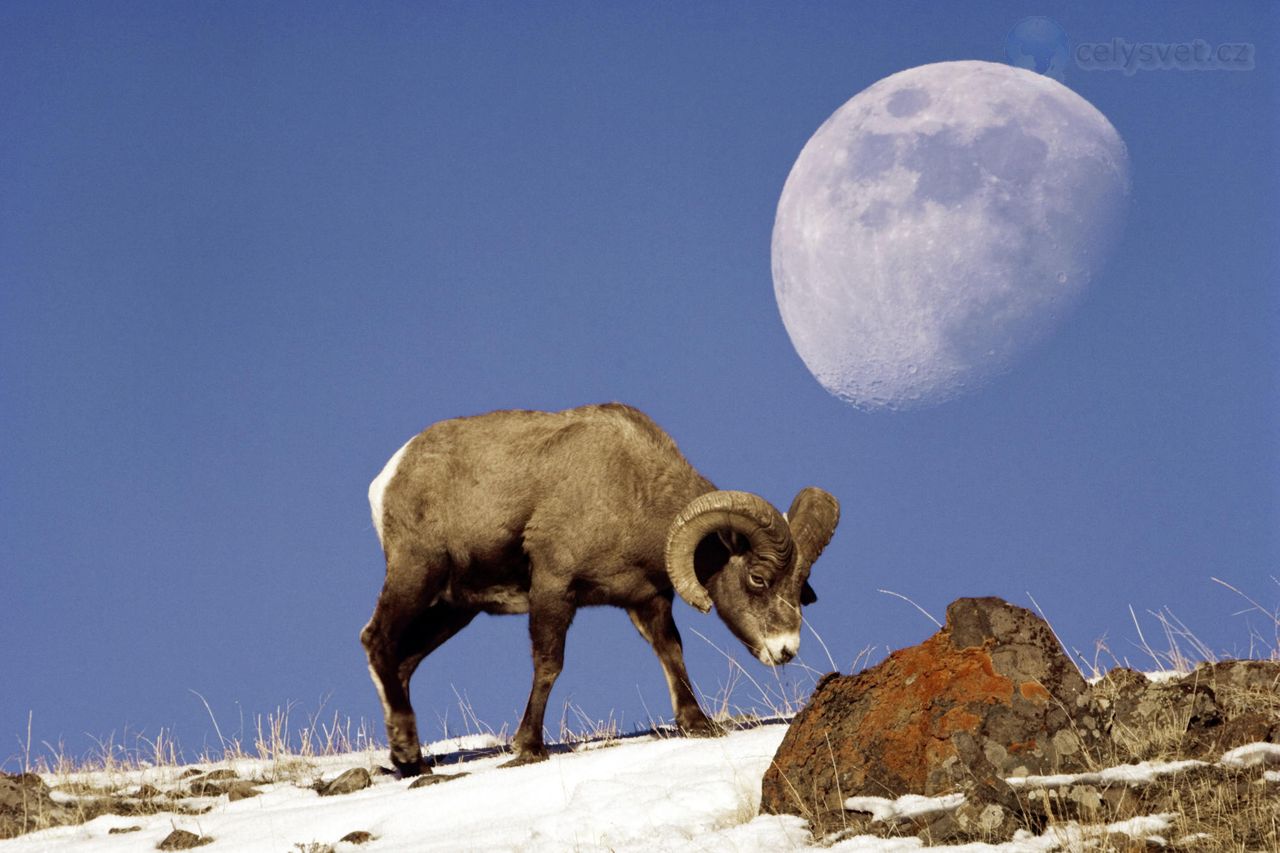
(813, 517)
(750, 515)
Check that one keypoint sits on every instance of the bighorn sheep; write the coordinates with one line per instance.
(543, 513)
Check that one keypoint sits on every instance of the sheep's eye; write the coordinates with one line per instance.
(756, 581)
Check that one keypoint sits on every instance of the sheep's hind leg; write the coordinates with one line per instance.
(401, 633)
(549, 618)
(427, 633)
(654, 622)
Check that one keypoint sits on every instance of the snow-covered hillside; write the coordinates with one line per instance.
(641, 794)
(645, 793)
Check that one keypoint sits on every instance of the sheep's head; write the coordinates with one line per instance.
(734, 550)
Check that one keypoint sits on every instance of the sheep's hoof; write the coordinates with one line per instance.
(702, 728)
(409, 769)
(525, 758)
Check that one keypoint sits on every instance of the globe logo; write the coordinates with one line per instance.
(1038, 44)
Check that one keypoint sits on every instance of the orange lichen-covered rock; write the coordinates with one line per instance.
(991, 694)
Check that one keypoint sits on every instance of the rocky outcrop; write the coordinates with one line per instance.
(1243, 687)
(1146, 719)
(26, 804)
(989, 695)
(992, 696)
(1214, 708)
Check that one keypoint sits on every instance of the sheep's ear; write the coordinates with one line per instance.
(807, 595)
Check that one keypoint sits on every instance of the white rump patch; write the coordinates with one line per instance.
(378, 487)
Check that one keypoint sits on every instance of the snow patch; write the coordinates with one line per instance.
(1252, 754)
(464, 743)
(1164, 676)
(906, 806)
(1130, 774)
(1073, 836)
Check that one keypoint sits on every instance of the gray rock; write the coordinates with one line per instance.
(357, 837)
(1147, 720)
(355, 779)
(434, 778)
(180, 839)
(1254, 676)
(988, 822)
(205, 788)
(1087, 800)
(27, 805)
(241, 790)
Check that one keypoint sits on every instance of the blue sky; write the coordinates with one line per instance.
(246, 250)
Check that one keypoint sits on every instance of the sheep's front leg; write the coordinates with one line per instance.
(654, 622)
(550, 615)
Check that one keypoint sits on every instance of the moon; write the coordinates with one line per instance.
(939, 224)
